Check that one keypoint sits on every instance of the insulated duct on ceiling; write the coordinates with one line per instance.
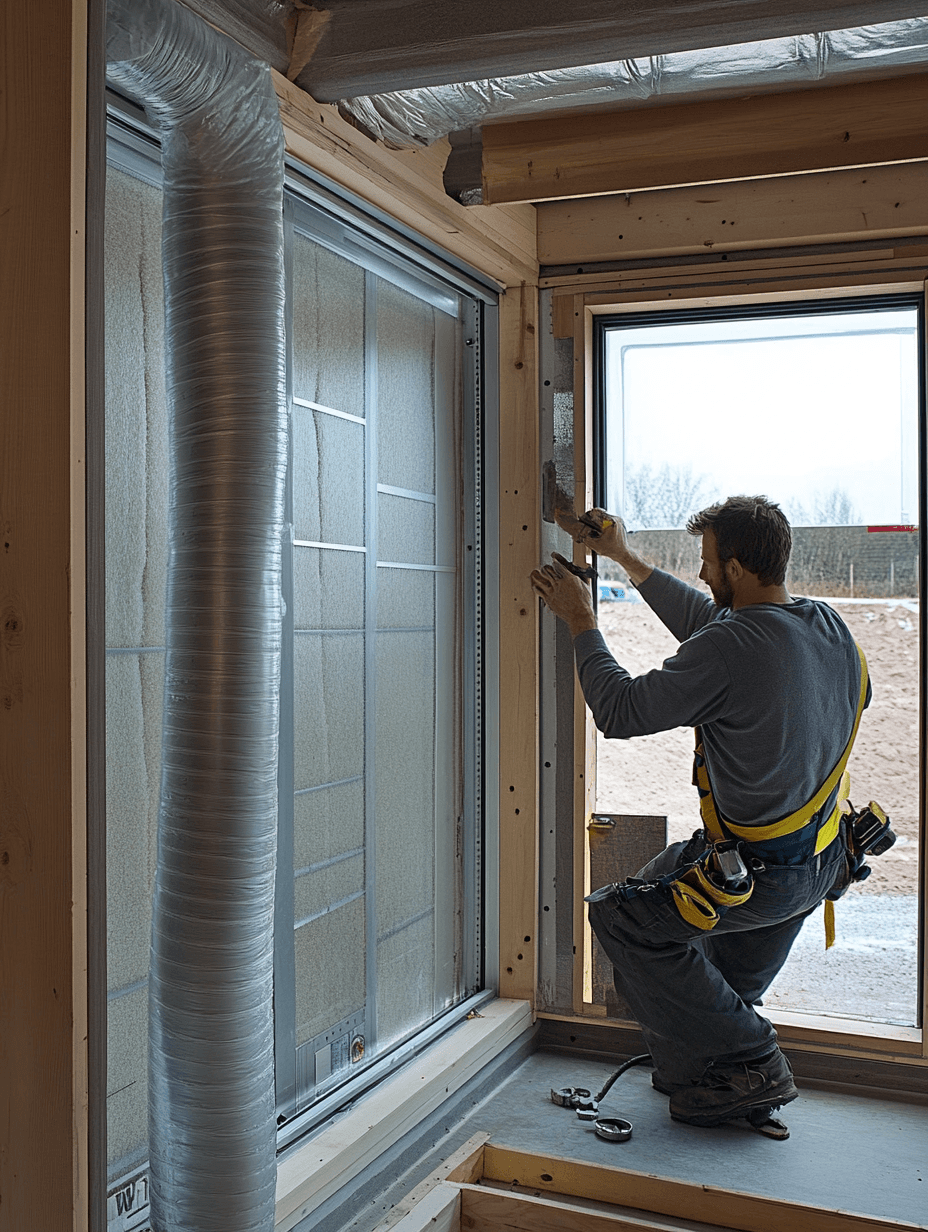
(211, 1044)
(421, 116)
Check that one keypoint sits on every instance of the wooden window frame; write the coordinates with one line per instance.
(770, 279)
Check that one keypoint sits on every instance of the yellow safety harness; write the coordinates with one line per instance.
(793, 839)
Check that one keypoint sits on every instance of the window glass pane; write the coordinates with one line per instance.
(333, 882)
(406, 530)
(330, 967)
(820, 413)
(328, 589)
(328, 705)
(406, 381)
(377, 739)
(405, 599)
(134, 702)
(328, 478)
(405, 978)
(127, 1079)
(328, 328)
(328, 821)
(136, 502)
(405, 776)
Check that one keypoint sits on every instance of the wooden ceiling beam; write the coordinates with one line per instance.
(833, 207)
(865, 124)
(377, 46)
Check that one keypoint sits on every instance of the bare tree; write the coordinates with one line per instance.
(663, 498)
(835, 508)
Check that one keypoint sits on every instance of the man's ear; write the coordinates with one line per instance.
(734, 570)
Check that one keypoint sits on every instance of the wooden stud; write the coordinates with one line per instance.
(687, 1200)
(464, 1165)
(519, 542)
(437, 1211)
(824, 128)
(489, 1210)
(318, 1167)
(584, 749)
(43, 899)
(408, 186)
(923, 838)
(670, 285)
(86, 1187)
(830, 207)
(562, 316)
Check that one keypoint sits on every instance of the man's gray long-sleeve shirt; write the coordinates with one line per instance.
(774, 688)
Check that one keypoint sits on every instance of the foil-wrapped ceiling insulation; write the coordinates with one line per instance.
(211, 1042)
(421, 116)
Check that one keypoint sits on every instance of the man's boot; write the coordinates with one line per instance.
(730, 1090)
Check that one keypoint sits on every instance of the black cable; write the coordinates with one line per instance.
(643, 1059)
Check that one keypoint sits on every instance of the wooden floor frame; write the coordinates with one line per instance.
(488, 1188)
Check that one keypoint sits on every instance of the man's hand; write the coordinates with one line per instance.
(605, 534)
(565, 594)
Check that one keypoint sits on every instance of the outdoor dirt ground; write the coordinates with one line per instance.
(652, 774)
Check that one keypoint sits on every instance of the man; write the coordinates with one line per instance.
(774, 686)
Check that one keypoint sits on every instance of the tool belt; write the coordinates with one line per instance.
(722, 876)
(702, 890)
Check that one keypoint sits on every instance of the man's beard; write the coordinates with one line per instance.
(723, 595)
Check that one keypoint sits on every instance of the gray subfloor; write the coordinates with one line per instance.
(859, 1154)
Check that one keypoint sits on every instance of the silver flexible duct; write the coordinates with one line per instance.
(211, 1074)
(421, 116)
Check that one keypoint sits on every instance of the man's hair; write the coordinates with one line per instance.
(752, 530)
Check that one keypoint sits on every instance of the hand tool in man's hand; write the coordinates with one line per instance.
(596, 528)
(588, 572)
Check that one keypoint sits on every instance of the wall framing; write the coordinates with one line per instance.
(47, 1096)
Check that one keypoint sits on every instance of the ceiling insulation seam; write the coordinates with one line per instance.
(408, 118)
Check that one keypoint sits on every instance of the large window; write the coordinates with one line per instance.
(380, 892)
(818, 407)
(378, 905)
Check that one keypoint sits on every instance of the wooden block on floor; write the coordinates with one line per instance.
(618, 851)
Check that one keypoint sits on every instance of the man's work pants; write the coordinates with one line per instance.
(693, 991)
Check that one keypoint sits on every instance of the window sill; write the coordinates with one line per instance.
(316, 1169)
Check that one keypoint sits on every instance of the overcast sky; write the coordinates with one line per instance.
(791, 408)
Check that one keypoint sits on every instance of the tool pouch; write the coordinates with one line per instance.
(718, 881)
(863, 833)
